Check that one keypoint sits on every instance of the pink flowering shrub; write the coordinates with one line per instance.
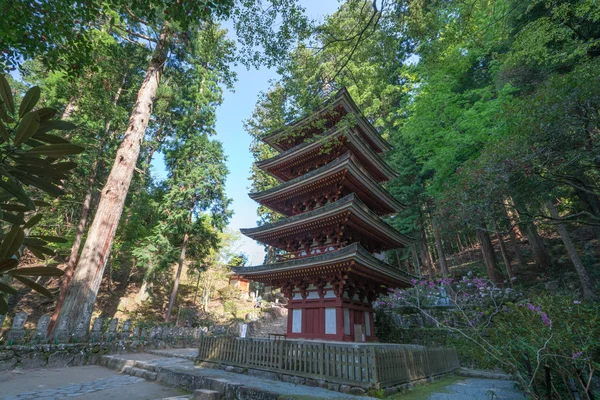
(549, 344)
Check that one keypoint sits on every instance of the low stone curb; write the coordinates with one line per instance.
(475, 373)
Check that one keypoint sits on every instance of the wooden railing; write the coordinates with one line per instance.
(313, 251)
(364, 365)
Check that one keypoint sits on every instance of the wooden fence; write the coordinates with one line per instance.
(367, 365)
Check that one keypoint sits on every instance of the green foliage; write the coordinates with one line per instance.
(30, 169)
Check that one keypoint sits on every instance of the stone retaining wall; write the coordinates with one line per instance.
(73, 354)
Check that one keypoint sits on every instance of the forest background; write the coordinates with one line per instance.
(492, 109)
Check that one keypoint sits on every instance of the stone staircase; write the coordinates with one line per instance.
(275, 323)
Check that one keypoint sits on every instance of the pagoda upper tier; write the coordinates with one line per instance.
(323, 149)
(328, 228)
(351, 263)
(328, 115)
(327, 184)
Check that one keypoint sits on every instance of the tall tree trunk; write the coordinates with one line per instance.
(509, 209)
(504, 253)
(85, 210)
(440, 249)
(69, 109)
(584, 278)
(459, 242)
(177, 276)
(489, 255)
(427, 254)
(413, 248)
(516, 248)
(83, 289)
(538, 249)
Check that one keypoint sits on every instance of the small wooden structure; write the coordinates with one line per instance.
(240, 282)
(331, 264)
(369, 365)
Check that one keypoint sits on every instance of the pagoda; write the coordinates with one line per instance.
(331, 244)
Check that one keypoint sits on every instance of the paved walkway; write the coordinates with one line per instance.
(478, 388)
(93, 382)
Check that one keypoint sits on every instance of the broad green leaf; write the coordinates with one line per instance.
(29, 101)
(3, 306)
(40, 183)
(4, 115)
(40, 249)
(48, 171)
(16, 190)
(41, 203)
(52, 139)
(11, 243)
(32, 160)
(56, 150)
(65, 166)
(33, 241)
(33, 221)
(12, 218)
(4, 133)
(33, 285)
(46, 113)
(27, 127)
(7, 289)
(14, 207)
(36, 271)
(6, 94)
(8, 263)
(46, 126)
(36, 253)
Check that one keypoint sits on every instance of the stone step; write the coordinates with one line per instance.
(140, 373)
(184, 374)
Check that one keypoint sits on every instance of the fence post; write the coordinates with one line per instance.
(374, 367)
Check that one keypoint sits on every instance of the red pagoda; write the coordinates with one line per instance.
(331, 264)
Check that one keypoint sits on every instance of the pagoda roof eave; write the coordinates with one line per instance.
(349, 204)
(352, 253)
(345, 162)
(308, 146)
(343, 98)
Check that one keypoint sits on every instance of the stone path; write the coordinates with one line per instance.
(478, 388)
(91, 381)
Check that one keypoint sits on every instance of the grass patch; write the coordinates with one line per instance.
(423, 391)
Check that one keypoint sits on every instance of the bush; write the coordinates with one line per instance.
(544, 342)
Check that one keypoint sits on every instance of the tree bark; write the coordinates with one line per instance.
(538, 249)
(516, 249)
(83, 289)
(413, 248)
(440, 249)
(584, 278)
(177, 277)
(427, 254)
(85, 210)
(504, 253)
(489, 255)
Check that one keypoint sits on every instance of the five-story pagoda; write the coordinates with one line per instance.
(332, 267)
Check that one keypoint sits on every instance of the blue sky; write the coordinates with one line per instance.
(237, 107)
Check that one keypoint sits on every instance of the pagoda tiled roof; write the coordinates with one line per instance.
(349, 206)
(353, 254)
(372, 193)
(279, 164)
(341, 98)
